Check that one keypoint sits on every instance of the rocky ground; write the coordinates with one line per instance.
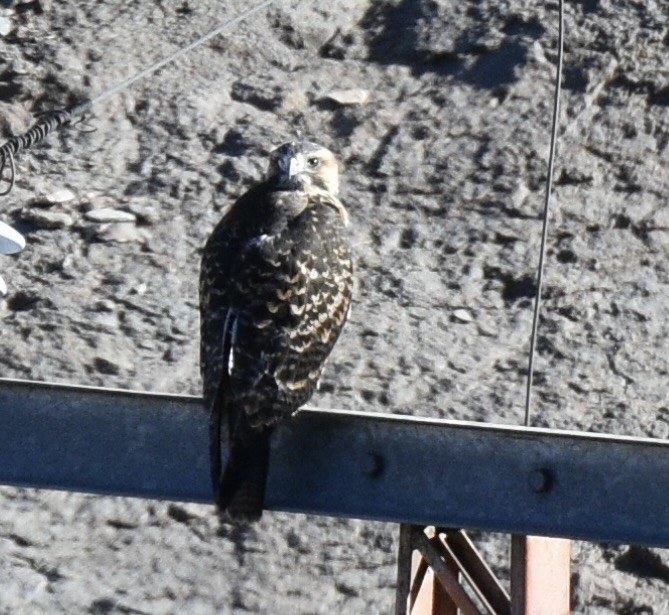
(440, 113)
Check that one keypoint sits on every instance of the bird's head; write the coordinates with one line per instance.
(299, 165)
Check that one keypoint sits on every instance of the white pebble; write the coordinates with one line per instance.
(108, 214)
(60, 196)
(349, 97)
(5, 26)
(462, 315)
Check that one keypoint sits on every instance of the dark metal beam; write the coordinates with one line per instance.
(103, 441)
(405, 469)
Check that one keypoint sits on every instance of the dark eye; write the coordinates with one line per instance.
(313, 162)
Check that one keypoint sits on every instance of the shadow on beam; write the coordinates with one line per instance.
(404, 469)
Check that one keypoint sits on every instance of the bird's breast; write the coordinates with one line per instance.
(298, 276)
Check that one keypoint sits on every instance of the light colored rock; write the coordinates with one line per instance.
(108, 214)
(64, 195)
(5, 26)
(349, 97)
(119, 232)
(462, 315)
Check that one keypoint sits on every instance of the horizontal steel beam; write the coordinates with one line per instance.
(387, 467)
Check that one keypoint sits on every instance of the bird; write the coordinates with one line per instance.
(276, 281)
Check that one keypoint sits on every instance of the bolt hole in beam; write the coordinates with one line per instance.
(387, 467)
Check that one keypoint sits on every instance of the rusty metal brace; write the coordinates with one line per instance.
(436, 565)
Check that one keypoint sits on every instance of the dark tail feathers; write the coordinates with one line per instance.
(240, 492)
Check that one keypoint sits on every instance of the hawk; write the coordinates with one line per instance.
(275, 290)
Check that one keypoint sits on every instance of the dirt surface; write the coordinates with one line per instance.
(440, 113)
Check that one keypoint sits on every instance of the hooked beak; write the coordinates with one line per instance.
(290, 167)
(296, 165)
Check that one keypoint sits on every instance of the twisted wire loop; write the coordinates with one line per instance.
(36, 133)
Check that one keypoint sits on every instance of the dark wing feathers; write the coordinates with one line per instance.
(274, 297)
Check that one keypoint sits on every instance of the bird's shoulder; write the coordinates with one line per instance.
(249, 212)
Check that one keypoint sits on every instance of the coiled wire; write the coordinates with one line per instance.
(35, 134)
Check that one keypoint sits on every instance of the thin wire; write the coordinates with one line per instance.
(126, 83)
(544, 231)
(57, 119)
